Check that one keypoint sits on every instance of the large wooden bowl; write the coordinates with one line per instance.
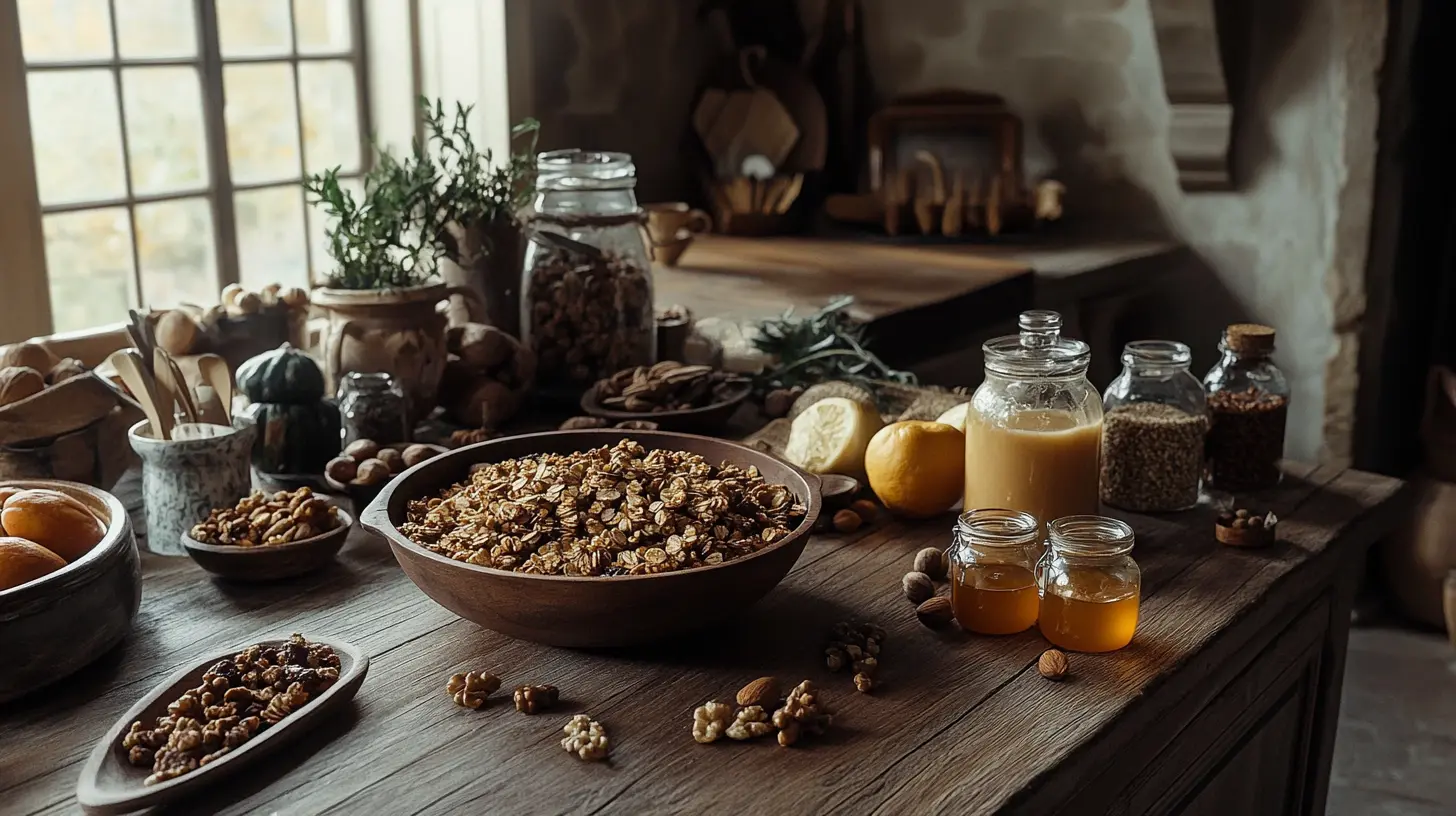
(54, 626)
(584, 611)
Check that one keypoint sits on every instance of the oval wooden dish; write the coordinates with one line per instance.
(109, 783)
(60, 623)
(581, 611)
(361, 495)
(270, 563)
(693, 420)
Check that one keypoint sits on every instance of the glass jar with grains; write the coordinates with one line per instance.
(1034, 428)
(372, 406)
(1154, 418)
(1248, 402)
(587, 317)
(993, 571)
(1091, 587)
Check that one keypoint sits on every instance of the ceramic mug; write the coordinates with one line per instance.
(666, 220)
(668, 253)
(184, 479)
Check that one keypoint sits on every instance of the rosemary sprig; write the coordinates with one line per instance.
(827, 345)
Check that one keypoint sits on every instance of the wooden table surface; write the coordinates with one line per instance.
(962, 724)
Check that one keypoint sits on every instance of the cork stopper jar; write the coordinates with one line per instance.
(1248, 405)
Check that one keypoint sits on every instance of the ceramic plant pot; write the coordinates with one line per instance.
(183, 479)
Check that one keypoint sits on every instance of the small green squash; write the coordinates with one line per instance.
(296, 439)
(284, 375)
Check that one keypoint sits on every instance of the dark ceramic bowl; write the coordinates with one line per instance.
(706, 419)
(54, 626)
(270, 563)
(590, 611)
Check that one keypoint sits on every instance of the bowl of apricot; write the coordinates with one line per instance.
(70, 580)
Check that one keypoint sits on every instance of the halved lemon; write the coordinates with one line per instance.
(831, 436)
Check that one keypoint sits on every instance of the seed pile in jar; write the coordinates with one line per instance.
(666, 386)
(588, 317)
(1152, 457)
(239, 698)
(268, 519)
(621, 510)
(1245, 439)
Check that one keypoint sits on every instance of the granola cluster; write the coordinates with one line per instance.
(621, 510)
(238, 698)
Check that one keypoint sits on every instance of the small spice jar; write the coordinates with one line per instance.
(1154, 419)
(1090, 584)
(587, 317)
(372, 406)
(1248, 402)
(993, 571)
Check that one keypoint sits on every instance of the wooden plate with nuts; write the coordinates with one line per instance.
(285, 544)
(690, 398)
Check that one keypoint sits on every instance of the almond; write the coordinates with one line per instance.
(761, 692)
(935, 612)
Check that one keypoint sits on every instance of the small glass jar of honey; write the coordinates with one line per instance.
(993, 571)
(1090, 584)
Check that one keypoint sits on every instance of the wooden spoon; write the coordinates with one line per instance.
(169, 378)
(128, 364)
(111, 784)
(215, 372)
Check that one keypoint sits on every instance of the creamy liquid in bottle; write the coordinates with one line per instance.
(1037, 461)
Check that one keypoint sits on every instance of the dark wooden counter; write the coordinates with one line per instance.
(1225, 703)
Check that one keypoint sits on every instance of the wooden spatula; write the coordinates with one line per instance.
(215, 372)
(128, 364)
(169, 378)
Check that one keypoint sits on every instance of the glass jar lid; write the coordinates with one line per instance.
(1248, 340)
(995, 527)
(1039, 350)
(370, 381)
(1154, 354)
(1090, 536)
(573, 169)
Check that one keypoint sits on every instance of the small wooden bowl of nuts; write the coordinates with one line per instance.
(678, 397)
(269, 536)
(1245, 528)
(365, 467)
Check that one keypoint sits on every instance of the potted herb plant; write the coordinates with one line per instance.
(383, 296)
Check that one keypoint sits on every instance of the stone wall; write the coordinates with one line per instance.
(1287, 247)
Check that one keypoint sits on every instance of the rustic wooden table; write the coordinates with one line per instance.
(1225, 703)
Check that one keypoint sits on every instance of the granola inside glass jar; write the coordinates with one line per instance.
(587, 317)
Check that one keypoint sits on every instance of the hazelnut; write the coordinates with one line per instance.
(863, 683)
(342, 469)
(931, 562)
(778, 402)
(918, 587)
(1052, 664)
(372, 472)
(935, 612)
(867, 510)
(391, 457)
(1241, 513)
(847, 521)
(415, 454)
(361, 449)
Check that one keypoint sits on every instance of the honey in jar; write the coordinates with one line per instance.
(1034, 428)
(992, 571)
(1090, 585)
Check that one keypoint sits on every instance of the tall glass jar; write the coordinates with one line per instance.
(587, 318)
(1248, 403)
(372, 406)
(1153, 425)
(1034, 428)
(1090, 585)
(993, 571)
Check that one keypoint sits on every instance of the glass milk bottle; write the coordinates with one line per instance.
(1034, 428)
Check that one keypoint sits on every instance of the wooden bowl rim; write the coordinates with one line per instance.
(347, 523)
(593, 407)
(114, 537)
(375, 517)
(350, 489)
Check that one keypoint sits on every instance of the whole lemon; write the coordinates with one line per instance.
(917, 468)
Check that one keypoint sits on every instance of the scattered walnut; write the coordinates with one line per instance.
(851, 644)
(802, 712)
(864, 683)
(471, 688)
(266, 520)
(847, 521)
(750, 722)
(867, 666)
(761, 692)
(835, 659)
(710, 720)
(620, 510)
(935, 612)
(918, 587)
(1053, 664)
(586, 738)
(532, 699)
(931, 562)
